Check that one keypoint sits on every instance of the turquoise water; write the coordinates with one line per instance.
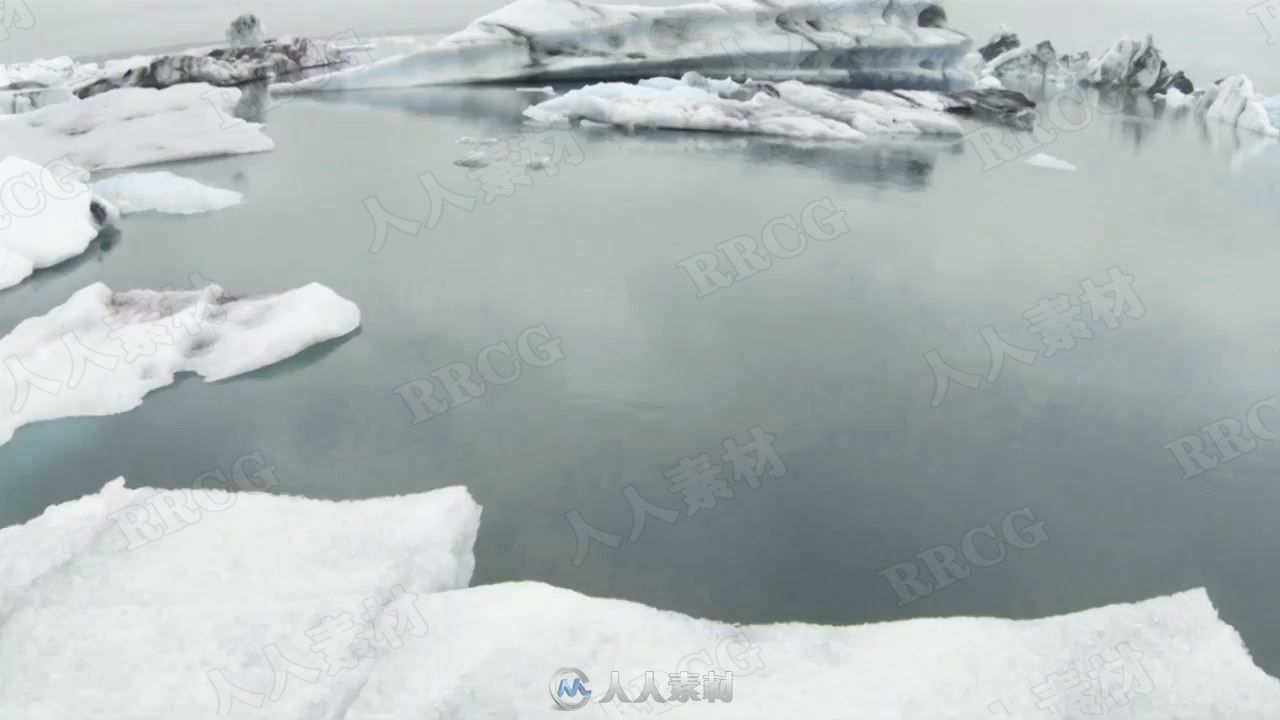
(826, 351)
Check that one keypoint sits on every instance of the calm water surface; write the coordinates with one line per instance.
(826, 351)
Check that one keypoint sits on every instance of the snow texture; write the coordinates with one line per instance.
(163, 192)
(159, 593)
(788, 109)
(102, 352)
(135, 126)
(861, 43)
(47, 216)
(122, 604)
(929, 669)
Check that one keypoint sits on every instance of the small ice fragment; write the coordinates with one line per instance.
(1049, 162)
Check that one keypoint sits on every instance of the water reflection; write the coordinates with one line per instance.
(903, 163)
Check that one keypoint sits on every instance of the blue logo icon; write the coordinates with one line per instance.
(568, 688)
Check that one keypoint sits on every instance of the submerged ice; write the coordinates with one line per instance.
(163, 192)
(102, 352)
(47, 215)
(864, 43)
(198, 603)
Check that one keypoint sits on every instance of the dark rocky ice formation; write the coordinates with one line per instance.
(247, 58)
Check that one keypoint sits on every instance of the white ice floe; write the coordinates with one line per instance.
(135, 126)
(1048, 162)
(865, 43)
(47, 215)
(174, 601)
(474, 159)
(140, 602)
(789, 109)
(933, 669)
(163, 192)
(1232, 101)
(102, 352)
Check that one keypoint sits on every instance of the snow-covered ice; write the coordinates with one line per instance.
(133, 603)
(47, 215)
(1048, 162)
(864, 43)
(102, 352)
(135, 126)
(130, 602)
(789, 109)
(928, 669)
(163, 192)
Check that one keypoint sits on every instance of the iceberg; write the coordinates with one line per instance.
(163, 192)
(141, 602)
(202, 603)
(1233, 102)
(47, 216)
(248, 57)
(102, 352)
(135, 126)
(860, 43)
(787, 109)
(1128, 63)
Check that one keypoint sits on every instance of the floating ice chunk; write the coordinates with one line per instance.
(544, 90)
(1049, 162)
(47, 216)
(135, 126)
(101, 352)
(1175, 658)
(862, 43)
(474, 159)
(1232, 101)
(787, 109)
(163, 594)
(163, 192)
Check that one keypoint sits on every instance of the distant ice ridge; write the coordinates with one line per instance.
(133, 602)
(48, 215)
(135, 126)
(163, 192)
(788, 109)
(1128, 63)
(863, 43)
(102, 352)
(248, 57)
(153, 605)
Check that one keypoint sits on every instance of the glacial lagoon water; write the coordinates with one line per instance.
(826, 351)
